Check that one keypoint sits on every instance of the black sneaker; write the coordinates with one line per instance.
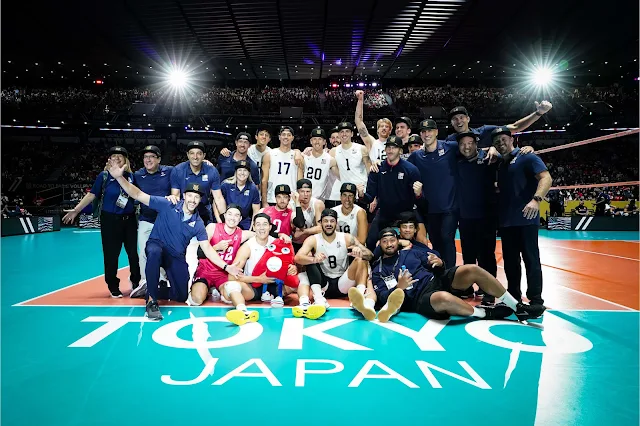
(153, 311)
(116, 294)
(497, 312)
(488, 299)
(527, 312)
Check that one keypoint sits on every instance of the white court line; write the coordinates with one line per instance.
(63, 288)
(581, 292)
(163, 306)
(595, 252)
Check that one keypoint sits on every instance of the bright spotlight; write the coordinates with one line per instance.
(542, 76)
(178, 79)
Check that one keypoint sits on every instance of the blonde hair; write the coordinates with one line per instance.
(384, 120)
(232, 179)
(127, 164)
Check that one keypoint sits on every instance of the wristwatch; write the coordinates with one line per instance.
(537, 198)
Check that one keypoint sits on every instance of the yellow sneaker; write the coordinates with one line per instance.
(394, 303)
(239, 317)
(357, 301)
(312, 312)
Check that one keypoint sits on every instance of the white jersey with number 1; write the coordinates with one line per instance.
(351, 166)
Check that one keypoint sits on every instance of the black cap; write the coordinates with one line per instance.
(428, 124)
(329, 212)
(345, 125)
(393, 141)
(244, 135)
(502, 130)
(415, 140)
(388, 232)
(318, 133)
(405, 120)
(334, 130)
(151, 148)
(264, 127)
(287, 128)
(196, 144)
(194, 187)
(282, 189)
(243, 164)
(348, 187)
(234, 206)
(303, 183)
(118, 150)
(461, 135)
(458, 110)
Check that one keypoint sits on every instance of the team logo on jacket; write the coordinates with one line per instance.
(441, 152)
(205, 178)
(246, 193)
(192, 224)
(400, 175)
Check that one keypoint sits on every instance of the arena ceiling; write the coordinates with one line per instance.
(328, 39)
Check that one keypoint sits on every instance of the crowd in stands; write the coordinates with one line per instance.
(480, 101)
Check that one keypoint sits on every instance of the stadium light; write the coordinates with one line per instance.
(178, 78)
(542, 76)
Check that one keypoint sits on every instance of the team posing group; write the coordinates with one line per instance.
(284, 221)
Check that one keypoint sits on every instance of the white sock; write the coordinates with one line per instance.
(304, 300)
(317, 291)
(369, 303)
(479, 313)
(361, 288)
(241, 307)
(509, 300)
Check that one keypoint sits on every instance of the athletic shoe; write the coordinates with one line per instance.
(394, 303)
(153, 311)
(497, 312)
(116, 294)
(308, 311)
(357, 301)
(322, 302)
(266, 297)
(215, 295)
(139, 292)
(488, 300)
(239, 317)
(277, 302)
(527, 312)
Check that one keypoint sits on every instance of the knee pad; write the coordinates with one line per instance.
(314, 274)
(232, 287)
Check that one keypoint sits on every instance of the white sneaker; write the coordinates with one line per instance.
(322, 302)
(277, 302)
(266, 297)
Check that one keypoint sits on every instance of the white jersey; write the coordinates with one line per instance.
(316, 169)
(309, 216)
(336, 262)
(282, 171)
(377, 151)
(348, 223)
(351, 166)
(257, 251)
(256, 155)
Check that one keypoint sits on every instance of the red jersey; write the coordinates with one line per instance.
(281, 219)
(275, 261)
(208, 270)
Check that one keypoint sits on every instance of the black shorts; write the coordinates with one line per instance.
(331, 289)
(439, 283)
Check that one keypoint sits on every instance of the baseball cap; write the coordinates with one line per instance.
(303, 183)
(345, 125)
(318, 133)
(388, 232)
(458, 110)
(428, 124)
(118, 150)
(288, 129)
(415, 140)
(407, 217)
(334, 130)
(461, 135)
(329, 212)
(195, 144)
(393, 141)
(151, 148)
(283, 189)
(502, 130)
(194, 187)
(243, 164)
(348, 187)
(244, 136)
(405, 120)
